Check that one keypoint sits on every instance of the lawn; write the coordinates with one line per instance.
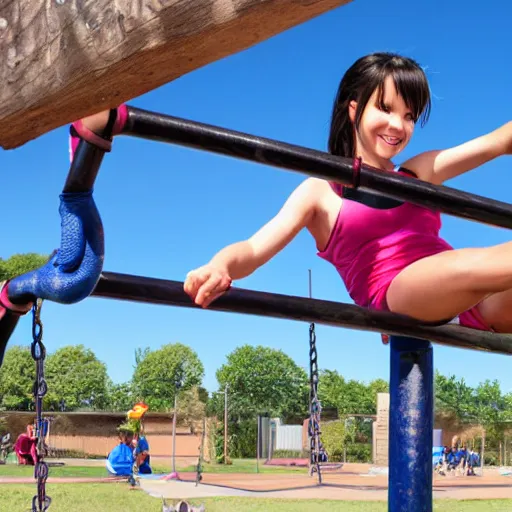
(238, 466)
(246, 466)
(63, 471)
(119, 498)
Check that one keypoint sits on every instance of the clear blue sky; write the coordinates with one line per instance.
(167, 210)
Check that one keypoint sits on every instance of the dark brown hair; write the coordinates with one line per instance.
(359, 83)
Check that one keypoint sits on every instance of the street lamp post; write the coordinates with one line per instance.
(178, 383)
(226, 424)
(225, 393)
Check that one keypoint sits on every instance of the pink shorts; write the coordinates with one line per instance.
(470, 318)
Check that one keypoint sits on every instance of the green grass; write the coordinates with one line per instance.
(238, 466)
(246, 466)
(11, 470)
(119, 498)
(62, 471)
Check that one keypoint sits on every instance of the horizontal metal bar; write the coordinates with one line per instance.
(238, 300)
(164, 128)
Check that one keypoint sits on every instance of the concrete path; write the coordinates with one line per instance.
(186, 490)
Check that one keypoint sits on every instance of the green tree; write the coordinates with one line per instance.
(75, 375)
(331, 387)
(507, 397)
(357, 399)
(378, 386)
(352, 397)
(334, 439)
(485, 405)
(157, 371)
(19, 264)
(17, 379)
(192, 406)
(120, 396)
(491, 408)
(263, 379)
(454, 396)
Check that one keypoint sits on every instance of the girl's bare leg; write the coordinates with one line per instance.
(442, 286)
(496, 310)
(97, 122)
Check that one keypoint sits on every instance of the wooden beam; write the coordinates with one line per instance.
(65, 59)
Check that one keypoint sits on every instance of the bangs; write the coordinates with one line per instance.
(366, 78)
(412, 86)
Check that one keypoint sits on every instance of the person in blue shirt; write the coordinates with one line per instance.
(452, 458)
(142, 456)
(121, 459)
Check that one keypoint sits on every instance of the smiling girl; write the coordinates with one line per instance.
(388, 253)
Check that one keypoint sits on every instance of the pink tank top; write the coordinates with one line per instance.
(369, 245)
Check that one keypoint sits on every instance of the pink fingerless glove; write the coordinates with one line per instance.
(7, 305)
(80, 131)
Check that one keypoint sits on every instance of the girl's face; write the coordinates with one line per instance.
(385, 128)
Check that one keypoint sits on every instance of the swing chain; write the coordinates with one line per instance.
(40, 502)
(315, 406)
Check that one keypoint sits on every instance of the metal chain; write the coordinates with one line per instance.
(315, 406)
(40, 502)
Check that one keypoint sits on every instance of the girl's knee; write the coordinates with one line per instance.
(96, 122)
(495, 310)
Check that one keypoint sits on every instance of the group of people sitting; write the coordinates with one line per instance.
(459, 460)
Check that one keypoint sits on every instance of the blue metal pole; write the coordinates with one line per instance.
(411, 422)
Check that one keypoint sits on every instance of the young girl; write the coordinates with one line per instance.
(389, 254)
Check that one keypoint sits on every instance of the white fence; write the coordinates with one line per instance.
(288, 437)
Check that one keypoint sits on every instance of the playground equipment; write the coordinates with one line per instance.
(78, 267)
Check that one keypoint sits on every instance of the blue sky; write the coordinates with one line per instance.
(167, 210)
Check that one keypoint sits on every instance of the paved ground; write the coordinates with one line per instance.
(353, 482)
(186, 490)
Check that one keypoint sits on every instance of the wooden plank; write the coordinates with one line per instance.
(65, 59)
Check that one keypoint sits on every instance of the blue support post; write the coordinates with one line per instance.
(411, 424)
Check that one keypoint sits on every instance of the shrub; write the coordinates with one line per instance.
(333, 438)
(359, 452)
